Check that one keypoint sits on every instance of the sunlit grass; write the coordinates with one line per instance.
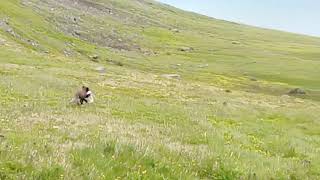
(228, 117)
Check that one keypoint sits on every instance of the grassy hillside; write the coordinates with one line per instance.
(225, 114)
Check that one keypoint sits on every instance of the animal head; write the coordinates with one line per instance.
(86, 89)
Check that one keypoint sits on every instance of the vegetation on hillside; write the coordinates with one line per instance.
(183, 96)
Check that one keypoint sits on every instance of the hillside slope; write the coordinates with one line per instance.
(183, 96)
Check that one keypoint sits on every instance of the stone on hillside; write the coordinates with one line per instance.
(32, 42)
(203, 65)
(77, 33)
(67, 52)
(236, 42)
(2, 41)
(297, 91)
(298, 100)
(185, 49)
(171, 76)
(306, 163)
(4, 22)
(10, 31)
(175, 30)
(285, 96)
(253, 79)
(101, 69)
(94, 57)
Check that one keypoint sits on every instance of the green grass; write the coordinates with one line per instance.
(142, 125)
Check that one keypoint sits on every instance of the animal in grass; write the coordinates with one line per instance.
(83, 96)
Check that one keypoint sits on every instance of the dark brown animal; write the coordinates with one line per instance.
(82, 95)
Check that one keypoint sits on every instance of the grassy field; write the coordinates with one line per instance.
(228, 116)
